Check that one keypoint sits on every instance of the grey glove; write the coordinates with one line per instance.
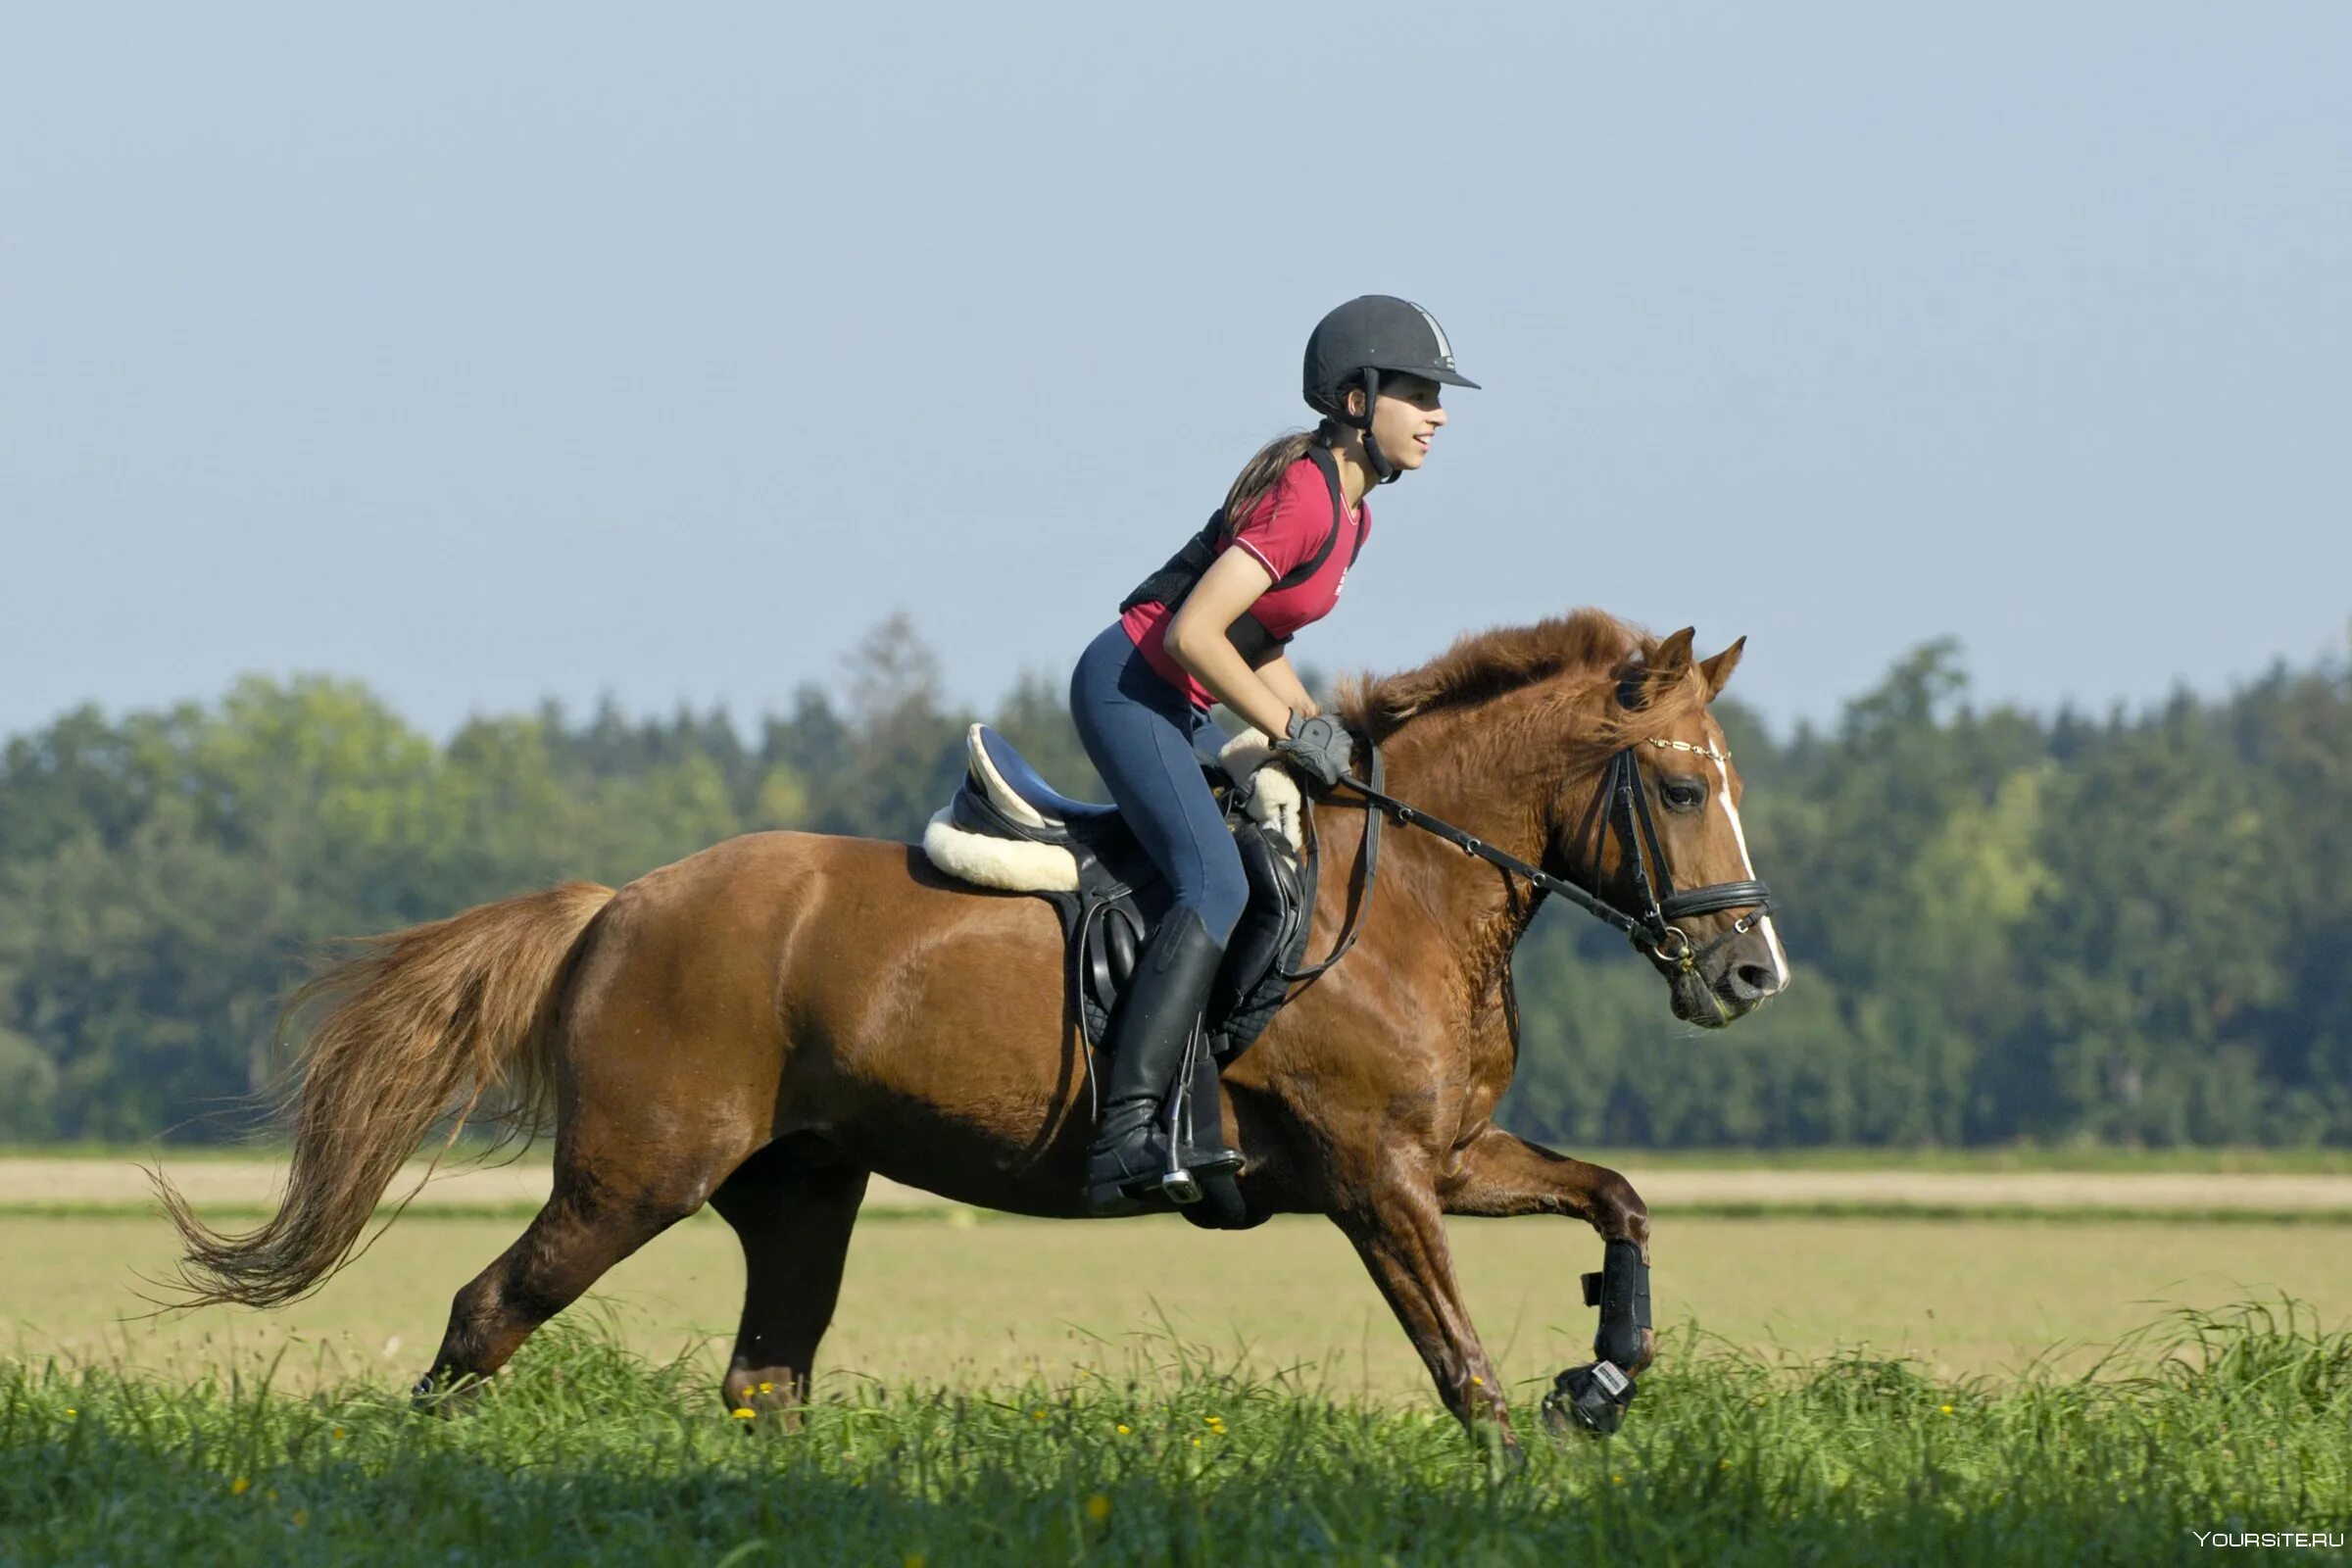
(1318, 747)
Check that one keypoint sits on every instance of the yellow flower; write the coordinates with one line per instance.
(302, 1517)
(914, 1559)
(767, 1387)
(69, 1410)
(1723, 1465)
(1038, 1415)
(1945, 1408)
(743, 1413)
(1124, 1429)
(1477, 1382)
(338, 1434)
(1195, 1442)
(1616, 1481)
(240, 1487)
(1098, 1507)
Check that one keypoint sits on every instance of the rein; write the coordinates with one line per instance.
(1619, 805)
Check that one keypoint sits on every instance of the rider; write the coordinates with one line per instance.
(1211, 626)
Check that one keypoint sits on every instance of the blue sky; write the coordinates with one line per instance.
(490, 352)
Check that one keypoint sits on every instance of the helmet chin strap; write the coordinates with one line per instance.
(1383, 470)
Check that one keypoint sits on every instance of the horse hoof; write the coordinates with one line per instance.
(1589, 1400)
(446, 1398)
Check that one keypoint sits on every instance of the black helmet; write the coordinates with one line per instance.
(1369, 336)
(1376, 332)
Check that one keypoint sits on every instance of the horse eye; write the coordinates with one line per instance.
(1684, 794)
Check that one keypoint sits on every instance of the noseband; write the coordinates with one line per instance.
(1619, 806)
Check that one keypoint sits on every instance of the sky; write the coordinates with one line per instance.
(485, 354)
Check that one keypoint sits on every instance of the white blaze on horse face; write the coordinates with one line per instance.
(1748, 869)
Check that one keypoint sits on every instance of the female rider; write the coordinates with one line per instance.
(1208, 627)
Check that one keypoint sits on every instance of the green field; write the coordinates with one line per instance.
(586, 1454)
(947, 1299)
(981, 1366)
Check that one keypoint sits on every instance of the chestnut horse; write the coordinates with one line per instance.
(763, 1025)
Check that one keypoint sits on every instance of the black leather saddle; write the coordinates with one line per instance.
(1121, 895)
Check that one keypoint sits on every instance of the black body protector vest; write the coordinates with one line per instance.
(1174, 581)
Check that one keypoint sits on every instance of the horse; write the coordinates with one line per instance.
(766, 1024)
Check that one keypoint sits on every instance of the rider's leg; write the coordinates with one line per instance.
(1156, 1020)
(1138, 730)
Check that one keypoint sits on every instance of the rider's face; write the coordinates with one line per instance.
(1406, 419)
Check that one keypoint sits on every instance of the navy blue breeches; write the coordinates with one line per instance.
(1139, 731)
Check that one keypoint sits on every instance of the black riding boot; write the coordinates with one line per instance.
(1156, 1020)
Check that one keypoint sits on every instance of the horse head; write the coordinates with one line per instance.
(1655, 830)
(1588, 746)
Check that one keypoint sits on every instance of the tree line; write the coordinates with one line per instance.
(2135, 928)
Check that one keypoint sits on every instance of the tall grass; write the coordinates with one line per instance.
(2235, 1422)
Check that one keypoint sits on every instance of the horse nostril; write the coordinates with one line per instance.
(1754, 979)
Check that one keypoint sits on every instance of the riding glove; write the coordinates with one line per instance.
(1319, 747)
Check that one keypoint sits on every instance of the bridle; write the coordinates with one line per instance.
(1619, 807)
(1654, 928)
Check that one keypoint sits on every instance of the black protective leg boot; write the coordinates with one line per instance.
(1156, 1020)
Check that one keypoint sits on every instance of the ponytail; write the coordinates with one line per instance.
(1264, 471)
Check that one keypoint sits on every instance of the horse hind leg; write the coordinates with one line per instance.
(793, 1216)
(590, 1222)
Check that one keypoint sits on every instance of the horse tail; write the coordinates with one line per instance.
(419, 1023)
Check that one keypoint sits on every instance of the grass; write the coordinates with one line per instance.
(986, 1301)
(2204, 1421)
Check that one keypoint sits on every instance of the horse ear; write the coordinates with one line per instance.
(1671, 661)
(1661, 671)
(1718, 669)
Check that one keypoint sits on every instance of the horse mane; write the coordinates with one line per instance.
(1507, 659)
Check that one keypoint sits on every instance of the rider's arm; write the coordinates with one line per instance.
(1284, 682)
(1197, 639)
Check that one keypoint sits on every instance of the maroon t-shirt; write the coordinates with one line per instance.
(1284, 530)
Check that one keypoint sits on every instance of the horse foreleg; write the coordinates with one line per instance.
(1401, 1235)
(1497, 1175)
(794, 1221)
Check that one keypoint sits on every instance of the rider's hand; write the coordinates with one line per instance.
(1318, 747)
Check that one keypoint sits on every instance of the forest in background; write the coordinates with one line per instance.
(2005, 926)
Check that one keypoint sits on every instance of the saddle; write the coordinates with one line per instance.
(1007, 828)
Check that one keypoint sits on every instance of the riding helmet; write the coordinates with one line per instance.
(1380, 333)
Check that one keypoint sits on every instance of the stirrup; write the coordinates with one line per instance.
(1177, 1184)
(1134, 1178)
(1133, 1195)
